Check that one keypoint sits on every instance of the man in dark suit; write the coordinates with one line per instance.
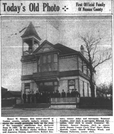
(24, 97)
(37, 97)
(63, 93)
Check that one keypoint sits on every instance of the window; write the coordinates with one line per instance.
(39, 61)
(27, 85)
(48, 63)
(85, 68)
(71, 84)
(27, 88)
(55, 57)
(44, 59)
(80, 64)
(54, 66)
(49, 67)
(48, 83)
(71, 87)
(45, 68)
(55, 88)
(49, 58)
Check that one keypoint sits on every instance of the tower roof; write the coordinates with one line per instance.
(30, 31)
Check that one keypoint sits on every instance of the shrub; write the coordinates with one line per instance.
(88, 102)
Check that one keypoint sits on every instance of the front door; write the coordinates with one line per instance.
(47, 88)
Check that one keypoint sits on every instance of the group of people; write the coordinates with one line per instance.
(44, 97)
(72, 93)
(39, 97)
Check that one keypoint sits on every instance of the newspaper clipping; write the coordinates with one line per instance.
(56, 66)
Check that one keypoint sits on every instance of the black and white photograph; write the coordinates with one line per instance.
(56, 66)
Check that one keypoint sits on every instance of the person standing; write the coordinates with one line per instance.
(24, 97)
(63, 93)
(37, 97)
(68, 94)
(29, 97)
(33, 97)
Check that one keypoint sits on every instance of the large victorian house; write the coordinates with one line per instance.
(50, 67)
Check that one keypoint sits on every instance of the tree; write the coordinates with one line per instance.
(110, 89)
(103, 89)
(94, 55)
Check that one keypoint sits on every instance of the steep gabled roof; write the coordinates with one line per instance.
(43, 43)
(30, 31)
(64, 50)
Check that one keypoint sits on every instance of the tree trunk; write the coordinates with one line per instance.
(92, 89)
(92, 83)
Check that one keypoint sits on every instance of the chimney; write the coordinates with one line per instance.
(82, 49)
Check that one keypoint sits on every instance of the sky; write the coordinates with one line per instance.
(64, 30)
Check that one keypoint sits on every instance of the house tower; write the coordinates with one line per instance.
(30, 40)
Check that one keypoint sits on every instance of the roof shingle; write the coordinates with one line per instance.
(64, 50)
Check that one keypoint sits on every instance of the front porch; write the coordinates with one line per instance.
(53, 103)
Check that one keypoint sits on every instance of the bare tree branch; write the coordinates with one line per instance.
(91, 43)
(93, 56)
(102, 61)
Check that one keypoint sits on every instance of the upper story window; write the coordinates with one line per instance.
(80, 62)
(44, 59)
(55, 57)
(83, 66)
(49, 58)
(48, 63)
